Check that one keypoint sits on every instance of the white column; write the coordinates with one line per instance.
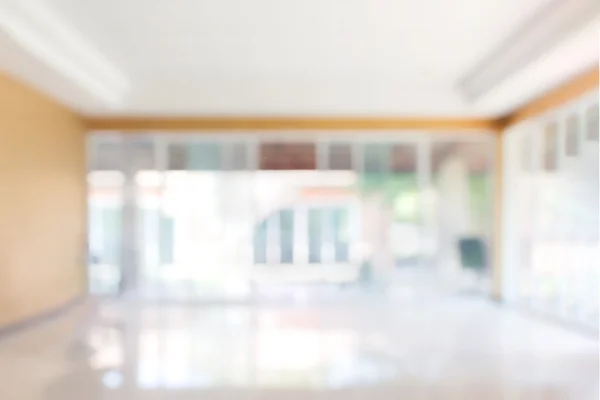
(129, 248)
(161, 165)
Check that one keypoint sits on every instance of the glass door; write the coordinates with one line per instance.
(106, 182)
(199, 218)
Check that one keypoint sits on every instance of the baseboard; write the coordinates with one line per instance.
(40, 319)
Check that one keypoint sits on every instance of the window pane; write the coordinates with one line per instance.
(403, 158)
(315, 235)
(572, 137)
(402, 183)
(340, 157)
(111, 220)
(286, 238)
(238, 157)
(143, 154)
(341, 234)
(194, 156)
(166, 239)
(177, 157)
(204, 156)
(110, 155)
(376, 158)
(106, 156)
(260, 243)
(550, 136)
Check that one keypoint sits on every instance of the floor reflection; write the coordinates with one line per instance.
(449, 349)
(203, 348)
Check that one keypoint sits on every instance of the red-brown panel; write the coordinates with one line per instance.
(403, 158)
(288, 156)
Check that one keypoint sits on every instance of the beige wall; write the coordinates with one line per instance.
(42, 203)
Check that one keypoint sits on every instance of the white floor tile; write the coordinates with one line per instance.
(443, 348)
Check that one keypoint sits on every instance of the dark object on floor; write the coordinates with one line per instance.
(365, 276)
(473, 253)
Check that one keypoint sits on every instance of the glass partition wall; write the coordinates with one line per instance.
(241, 217)
(552, 247)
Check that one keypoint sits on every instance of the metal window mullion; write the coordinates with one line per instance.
(252, 168)
(161, 164)
(326, 245)
(273, 230)
(583, 309)
(557, 235)
(424, 181)
(357, 162)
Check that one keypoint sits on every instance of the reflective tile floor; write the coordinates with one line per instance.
(445, 348)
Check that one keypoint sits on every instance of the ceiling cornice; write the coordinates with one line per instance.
(47, 37)
(539, 34)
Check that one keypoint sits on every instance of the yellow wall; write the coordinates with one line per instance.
(42, 203)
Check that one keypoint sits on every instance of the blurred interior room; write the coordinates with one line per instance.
(299, 199)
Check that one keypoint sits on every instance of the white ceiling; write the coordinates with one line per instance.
(268, 57)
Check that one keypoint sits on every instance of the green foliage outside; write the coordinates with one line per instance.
(401, 191)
